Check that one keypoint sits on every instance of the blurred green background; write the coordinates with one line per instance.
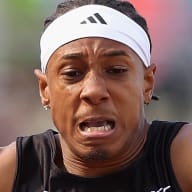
(21, 25)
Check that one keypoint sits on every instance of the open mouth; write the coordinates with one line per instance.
(97, 126)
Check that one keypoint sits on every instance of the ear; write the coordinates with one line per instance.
(149, 81)
(43, 87)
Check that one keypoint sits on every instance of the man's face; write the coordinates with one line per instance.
(96, 89)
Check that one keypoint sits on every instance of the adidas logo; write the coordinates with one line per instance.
(96, 18)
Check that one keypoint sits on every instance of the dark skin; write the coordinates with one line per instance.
(96, 89)
(83, 85)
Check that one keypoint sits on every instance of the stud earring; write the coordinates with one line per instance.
(46, 107)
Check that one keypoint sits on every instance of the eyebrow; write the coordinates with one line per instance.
(108, 53)
(116, 53)
(73, 55)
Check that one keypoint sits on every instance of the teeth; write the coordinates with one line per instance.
(108, 127)
(104, 128)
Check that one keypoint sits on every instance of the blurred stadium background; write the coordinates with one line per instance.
(170, 25)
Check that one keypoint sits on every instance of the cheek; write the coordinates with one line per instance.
(128, 102)
(64, 103)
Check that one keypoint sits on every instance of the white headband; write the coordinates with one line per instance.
(94, 21)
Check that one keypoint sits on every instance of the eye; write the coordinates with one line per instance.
(116, 70)
(72, 74)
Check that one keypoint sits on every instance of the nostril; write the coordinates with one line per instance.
(94, 100)
(87, 100)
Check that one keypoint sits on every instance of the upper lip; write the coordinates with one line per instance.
(95, 119)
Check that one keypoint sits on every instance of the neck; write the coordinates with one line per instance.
(92, 168)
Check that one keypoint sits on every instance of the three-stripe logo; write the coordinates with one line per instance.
(95, 18)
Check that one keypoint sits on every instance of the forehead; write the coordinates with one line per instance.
(96, 46)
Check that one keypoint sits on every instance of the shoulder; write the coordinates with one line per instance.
(181, 156)
(7, 167)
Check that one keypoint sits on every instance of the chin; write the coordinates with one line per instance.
(96, 155)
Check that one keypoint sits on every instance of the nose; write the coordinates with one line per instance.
(94, 90)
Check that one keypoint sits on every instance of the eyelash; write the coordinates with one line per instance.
(75, 75)
(116, 70)
(72, 75)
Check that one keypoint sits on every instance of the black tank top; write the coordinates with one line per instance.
(151, 172)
